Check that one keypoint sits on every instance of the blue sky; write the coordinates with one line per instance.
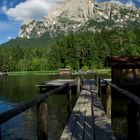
(8, 27)
(13, 13)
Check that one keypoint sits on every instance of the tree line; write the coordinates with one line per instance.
(81, 50)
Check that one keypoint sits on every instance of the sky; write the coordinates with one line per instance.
(13, 13)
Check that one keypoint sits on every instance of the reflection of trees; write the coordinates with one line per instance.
(21, 88)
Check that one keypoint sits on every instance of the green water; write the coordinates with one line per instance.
(16, 89)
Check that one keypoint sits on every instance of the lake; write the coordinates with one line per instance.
(16, 89)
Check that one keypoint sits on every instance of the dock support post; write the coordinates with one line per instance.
(96, 82)
(99, 87)
(42, 121)
(109, 101)
(69, 97)
(78, 86)
(95, 77)
(0, 132)
(133, 121)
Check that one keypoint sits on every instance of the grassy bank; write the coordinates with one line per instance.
(101, 72)
(105, 73)
(53, 72)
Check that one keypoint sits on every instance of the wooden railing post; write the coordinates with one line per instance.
(96, 81)
(78, 86)
(69, 97)
(81, 84)
(109, 101)
(95, 77)
(133, 121)
(0, 132)
(99, 87)
(42, 121)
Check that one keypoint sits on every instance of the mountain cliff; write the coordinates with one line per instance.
(75, 15)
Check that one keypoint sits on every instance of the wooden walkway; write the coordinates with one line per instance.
(88, 120)
(55, 83)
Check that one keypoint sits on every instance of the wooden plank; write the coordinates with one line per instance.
(88, 120)
(74, 127)
(79, 125)
(102, 124)
(58, 82)
(47, 86)
(89, 125)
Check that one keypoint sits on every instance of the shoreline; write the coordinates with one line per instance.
(56, 72)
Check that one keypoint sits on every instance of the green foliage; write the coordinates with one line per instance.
(80, 50)
(85, 68)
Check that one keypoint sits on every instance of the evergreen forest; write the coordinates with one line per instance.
(80, 50)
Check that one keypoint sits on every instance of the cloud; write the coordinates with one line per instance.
(4, 8)
(33, 9)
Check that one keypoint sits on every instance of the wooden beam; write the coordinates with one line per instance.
(69, 97)
(99, 87)
(133, 121)
(42, 132)
(78, 86)
(131, 96)
(109, 101)
(0, 132)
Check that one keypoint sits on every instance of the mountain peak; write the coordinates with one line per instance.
(74, 15)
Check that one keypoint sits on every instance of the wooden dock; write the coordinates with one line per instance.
(49, 85)
(88, 120)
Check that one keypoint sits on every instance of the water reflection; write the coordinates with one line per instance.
(15, 89)
(20, 127)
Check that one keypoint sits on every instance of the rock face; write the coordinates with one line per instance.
(74, 15)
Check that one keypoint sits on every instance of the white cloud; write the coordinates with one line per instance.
(34, 9)
(4, 8)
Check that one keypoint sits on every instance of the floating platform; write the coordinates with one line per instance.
(49, 85)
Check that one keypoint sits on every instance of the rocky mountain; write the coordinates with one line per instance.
(75, 15)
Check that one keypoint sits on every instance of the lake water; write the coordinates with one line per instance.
(16, 89)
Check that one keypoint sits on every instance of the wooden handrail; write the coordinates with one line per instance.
(5, 116)
(133, 97)
(41, 108)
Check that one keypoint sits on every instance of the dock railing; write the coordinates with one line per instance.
(41, 105)
(133, 116)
